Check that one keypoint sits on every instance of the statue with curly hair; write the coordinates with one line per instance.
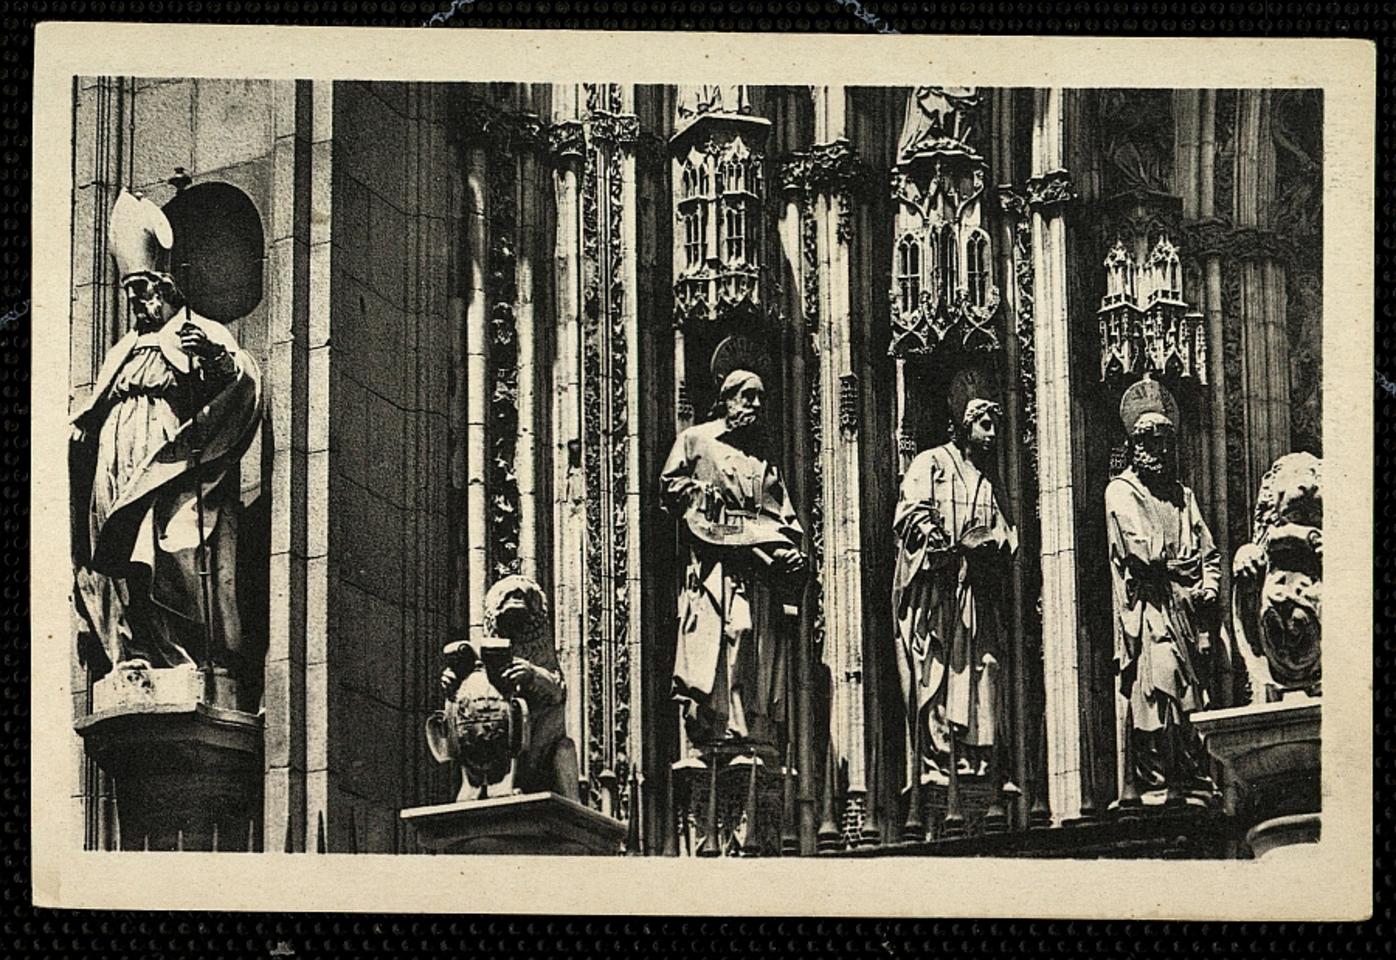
(1277, 585)
(504, 720)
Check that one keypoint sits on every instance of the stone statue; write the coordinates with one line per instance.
(954, 547)
(742, 540)
(154, 465)
(695, 99)
(1277, 585)
(937, 118)
(1165, 571)
(504, 721)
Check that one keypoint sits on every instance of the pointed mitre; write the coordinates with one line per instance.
(1145, 397)
(139, 235)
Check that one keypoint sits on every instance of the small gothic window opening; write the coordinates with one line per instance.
(909, 273)
(977, 268)
(732, 177)
(693, 236)
(946, 265)
(734, 231)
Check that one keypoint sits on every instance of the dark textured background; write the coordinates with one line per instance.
(26, 932)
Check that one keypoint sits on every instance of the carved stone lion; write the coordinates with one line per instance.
(1278, 577)
(504, 719)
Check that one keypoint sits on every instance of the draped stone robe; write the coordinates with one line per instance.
(135, 516)
(1161, 554)
(730, 660)
(948, 607)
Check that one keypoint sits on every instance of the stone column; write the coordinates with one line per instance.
(795, 267)
(319, 577)
(1049, 189)
(476, 244)
(630, 583)
(288, 328)
(832, 165)
(530, 217)
(1261, 301)
(569, 493)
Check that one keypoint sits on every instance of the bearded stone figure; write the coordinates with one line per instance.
(154, 458)
(1165, 572)
(741, 537)
(504, 721)
(1277, 585)
(954, 546)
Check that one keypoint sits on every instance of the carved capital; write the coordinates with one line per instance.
(1217, 238)
(831, 168)
(566, 141)
(1049, 192)
(622, 129)
(1012, 201)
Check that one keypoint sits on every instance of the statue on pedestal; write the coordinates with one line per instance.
(1277, 585)
(154, 459)
(504, 720)
(695, 99)
(954, 547)
(937, 119)
(1165, 572)
(742, 539)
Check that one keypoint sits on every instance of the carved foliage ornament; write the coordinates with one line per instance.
(1049, 192)
(1216, 238)
(506, 130)
(605, 459)
(1015, 205)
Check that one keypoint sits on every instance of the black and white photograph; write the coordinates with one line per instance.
(822, 471)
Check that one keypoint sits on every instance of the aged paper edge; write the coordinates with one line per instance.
(1334, 883)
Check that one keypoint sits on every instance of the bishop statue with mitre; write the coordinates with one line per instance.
(154, 469)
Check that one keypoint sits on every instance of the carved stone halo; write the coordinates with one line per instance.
(738, 353)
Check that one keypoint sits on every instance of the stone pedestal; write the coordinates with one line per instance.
(188, 774)
(529, 823)
(1266, 762)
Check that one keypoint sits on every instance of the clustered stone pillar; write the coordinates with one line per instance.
(1262, 300)
(1049, 190)
(842, 573)
(569, 505)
